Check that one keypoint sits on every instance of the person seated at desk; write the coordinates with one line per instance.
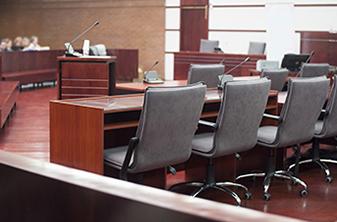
(17, 44)
(6, 45)
(33, 44)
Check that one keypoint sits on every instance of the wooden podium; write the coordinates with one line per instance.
(85, 77)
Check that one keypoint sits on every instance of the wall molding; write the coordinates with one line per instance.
(73, 4)
(237, 30)
(239, 6)
(315, 5)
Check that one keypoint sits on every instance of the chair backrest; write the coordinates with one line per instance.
(277, 76)
(98, 50)
(314, 69)
(167, 125)
(306, 97)
(257, 47)
(240, 115)
(207, 73)
(208, 45)
(330, 119)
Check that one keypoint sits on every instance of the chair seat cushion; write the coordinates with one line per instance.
(115, 156)
(267, 134)
(318, 127)
(203, 142)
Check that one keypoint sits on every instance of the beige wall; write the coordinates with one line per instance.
(123, 23)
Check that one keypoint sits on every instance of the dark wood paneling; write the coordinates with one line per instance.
(323, 43)
(126, 64)
(30, 66)
(193, 24)
(13, 62)
(83, 75)
(193, 2)
(85, 128)
(81, 70)
(183, 60)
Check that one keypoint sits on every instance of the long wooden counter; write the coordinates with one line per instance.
(183, 60)
(81, 128)
(32, 190)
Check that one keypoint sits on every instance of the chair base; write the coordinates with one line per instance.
(277, 174)
(220, 186)
(321, 164)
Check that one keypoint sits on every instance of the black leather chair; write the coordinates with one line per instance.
(306, 97)
(164, 136)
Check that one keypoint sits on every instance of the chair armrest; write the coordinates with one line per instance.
(270, 116)
(207, 123)
(132, 145)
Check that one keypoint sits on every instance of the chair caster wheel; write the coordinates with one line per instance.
(248, 195)
(266, 196)
(303, 193)
(328, 179)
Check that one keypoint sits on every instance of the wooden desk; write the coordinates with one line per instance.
(183, 60)
(81, 128)
(85, 77)
(139, 87)
(8, 95)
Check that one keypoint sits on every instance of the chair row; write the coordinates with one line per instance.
(170, 117)
(212, 74)
(210, 46)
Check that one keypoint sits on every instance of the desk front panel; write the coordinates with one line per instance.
(85, 78)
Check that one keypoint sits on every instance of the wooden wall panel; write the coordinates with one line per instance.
(194, 24)
(137, 24)
(323, 43)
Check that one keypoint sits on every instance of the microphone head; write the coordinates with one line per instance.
(247, 59)
(97, 22)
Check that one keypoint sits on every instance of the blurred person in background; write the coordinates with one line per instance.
(33, 45)
(2, 46)
(25, 44)
(17, 45)
(6, 45)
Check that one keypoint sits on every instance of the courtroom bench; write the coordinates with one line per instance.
(41, 66)
(30, 66)
(8, 96)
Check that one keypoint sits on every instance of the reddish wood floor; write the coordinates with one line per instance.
(27, 133)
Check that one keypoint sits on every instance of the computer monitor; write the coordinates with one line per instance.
(293, 62)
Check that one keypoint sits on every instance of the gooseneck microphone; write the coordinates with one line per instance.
(220, 85)
(312, 53)
(155, 63)
(69, 48)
